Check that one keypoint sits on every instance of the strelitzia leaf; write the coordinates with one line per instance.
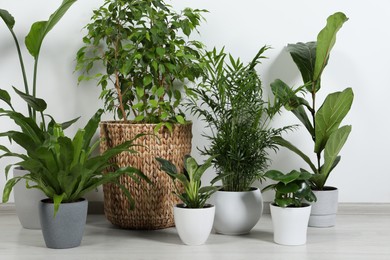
(8, 19)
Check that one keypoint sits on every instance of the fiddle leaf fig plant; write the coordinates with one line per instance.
(33, 42)
(194, 196)
(147, 58)
(291, 189)
(322, 124)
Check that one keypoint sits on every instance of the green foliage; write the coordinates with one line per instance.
(194, 196)
(232, 105)
(324, 126)
(291, 189)
(63, 168)
(139, 44)
(33, 42)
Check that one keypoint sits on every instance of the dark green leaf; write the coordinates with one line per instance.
(37, 104)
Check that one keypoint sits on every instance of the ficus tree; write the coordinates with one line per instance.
(323, 122)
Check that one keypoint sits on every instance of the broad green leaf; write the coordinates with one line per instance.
(140, 92)
(40, 29)
(330, 115)
(167, 167)
(67, 124)
(160, 51)
(5, 97)
(202, 168)
(37, 104)
(180, 119)
(332, 149)
(286, 188)
(7, 18)
(91, 127)
(191, 166)
(300, 113)
(326, 40)
(147, 80)
(282, 142)
(304, 56)
(8, 187)
(57, 199)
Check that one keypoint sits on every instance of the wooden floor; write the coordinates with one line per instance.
(361, 233)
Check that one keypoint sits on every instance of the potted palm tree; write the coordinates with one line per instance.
(290, 211)
(64, 169)
(146, 61)
(26, 200)
(194, 217)
(323, 122)
(232, 105)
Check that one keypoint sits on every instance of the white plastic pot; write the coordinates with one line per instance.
(237, 213)
(194, 225)
(290, 224)
(27, 201)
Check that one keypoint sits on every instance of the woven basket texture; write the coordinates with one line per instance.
(153, 202)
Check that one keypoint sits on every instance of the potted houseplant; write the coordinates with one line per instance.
(64, 169)
(194, 217)
(26, 201)
(146, 60)
(322, 124)
(232, 105)
(290, 212)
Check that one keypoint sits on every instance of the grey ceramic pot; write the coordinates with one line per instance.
(66, 229)
(323, 212)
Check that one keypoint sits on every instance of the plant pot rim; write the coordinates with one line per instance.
(305, 205)
(326, 188)
(252, 189)
(50, 201)
(132, 122)
(206, 206)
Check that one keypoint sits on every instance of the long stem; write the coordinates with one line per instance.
(34, 93)
(118, 89)
(313, 113)
(23, 69)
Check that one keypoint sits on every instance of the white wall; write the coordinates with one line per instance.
(359, 60)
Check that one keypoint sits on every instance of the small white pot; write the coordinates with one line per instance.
(323, 212)
(194, 225)
(237, 212)
(290, 224)
(27, 201)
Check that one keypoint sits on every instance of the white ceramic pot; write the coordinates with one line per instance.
(27, 201)
(323, 212)
(194, 225)
(290, 224)
(237, 213)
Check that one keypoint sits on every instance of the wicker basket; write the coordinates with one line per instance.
(153, 203)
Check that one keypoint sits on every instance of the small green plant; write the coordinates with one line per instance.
(194, 196)
(324, 126)
(145, 56)
(63, 168)
(291, 189)
(232, 105)
(33, 42)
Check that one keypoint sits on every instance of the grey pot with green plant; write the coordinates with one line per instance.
(64, 169)
(139, 54)
(26, 201)
(323, 123)
(194, 208)
(290, 211)
(232, 105)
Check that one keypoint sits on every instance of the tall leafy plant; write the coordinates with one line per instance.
(145, 57)
(323, 123)
(232, 104)
(33, 42)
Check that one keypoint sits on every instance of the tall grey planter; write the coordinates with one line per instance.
(66, 229)
(323, 212)
(27, 201)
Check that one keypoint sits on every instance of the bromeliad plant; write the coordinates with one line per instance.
(139, 44)
(232, 105)
(194, 196)
(292, 189)
(64, 168)
(324, 123)
(33, 42)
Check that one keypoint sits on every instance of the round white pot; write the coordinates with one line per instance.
(290, 224)
(194, 225)
(66, 229)
(323, 212)
(237, 213)
(27, 201)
